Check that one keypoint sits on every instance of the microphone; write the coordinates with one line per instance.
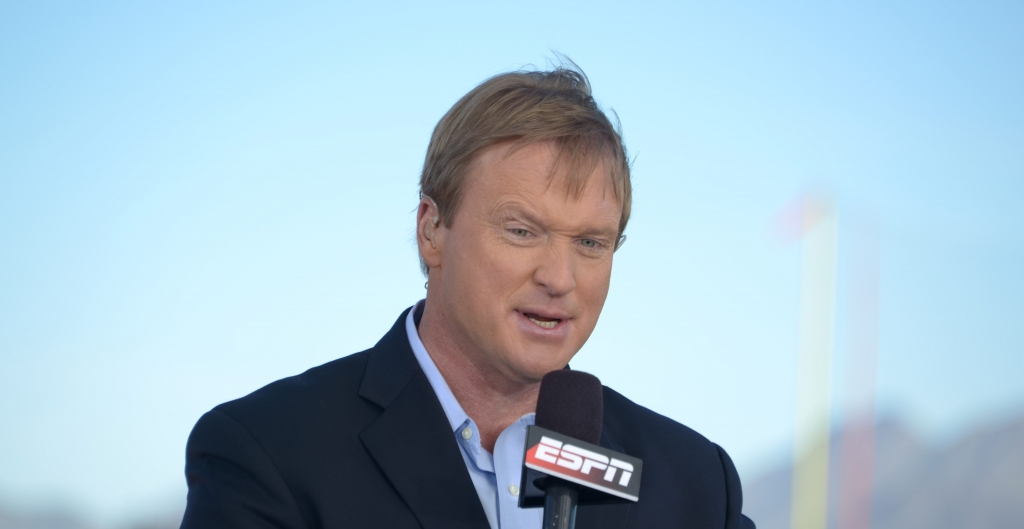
(571, 403)
(563, 452)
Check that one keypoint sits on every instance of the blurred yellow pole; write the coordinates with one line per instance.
(809, 507)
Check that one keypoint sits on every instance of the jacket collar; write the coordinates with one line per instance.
(390, 366)
(411, 441)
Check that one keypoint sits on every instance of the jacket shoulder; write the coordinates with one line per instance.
(685, 476)
(328, 392)
(634, 426)
(315, 395)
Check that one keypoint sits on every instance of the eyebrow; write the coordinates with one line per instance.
(516, 209)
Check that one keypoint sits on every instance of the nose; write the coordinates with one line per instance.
(556, 271)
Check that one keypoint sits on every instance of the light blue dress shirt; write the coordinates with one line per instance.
(496, 477)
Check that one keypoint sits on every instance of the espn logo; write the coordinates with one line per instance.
(607, 476)
(582, 460)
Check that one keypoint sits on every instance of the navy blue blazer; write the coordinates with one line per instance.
(362, 442)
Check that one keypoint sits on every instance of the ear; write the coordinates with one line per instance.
(429, 232)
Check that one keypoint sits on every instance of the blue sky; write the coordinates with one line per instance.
(197, 199)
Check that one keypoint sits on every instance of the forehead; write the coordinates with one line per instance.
(531, 177)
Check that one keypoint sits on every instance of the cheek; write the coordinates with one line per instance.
(592, 284)
(486, 271)
(502, 268)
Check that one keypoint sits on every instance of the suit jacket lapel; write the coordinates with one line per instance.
(412, 442)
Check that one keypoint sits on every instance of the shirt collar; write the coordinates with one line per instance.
(456, 416)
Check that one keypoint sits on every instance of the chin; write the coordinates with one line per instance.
(535, 369)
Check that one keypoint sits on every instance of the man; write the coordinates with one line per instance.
(525, 194)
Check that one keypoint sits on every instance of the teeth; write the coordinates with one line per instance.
(546, 324)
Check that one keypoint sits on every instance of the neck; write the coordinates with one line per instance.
(492, 399)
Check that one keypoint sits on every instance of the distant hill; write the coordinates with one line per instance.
(44, 520)
(12, 519)
(974, 483)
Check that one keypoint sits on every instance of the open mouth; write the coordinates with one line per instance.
(546, 323)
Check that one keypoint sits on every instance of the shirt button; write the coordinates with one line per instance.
(467, 433)
(513, 490)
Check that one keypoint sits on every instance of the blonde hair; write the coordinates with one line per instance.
(525, 107)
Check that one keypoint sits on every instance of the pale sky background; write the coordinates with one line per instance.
(201, 198)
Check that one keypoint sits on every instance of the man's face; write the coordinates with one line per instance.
(525, 266)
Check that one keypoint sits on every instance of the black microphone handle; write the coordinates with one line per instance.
(560, 499)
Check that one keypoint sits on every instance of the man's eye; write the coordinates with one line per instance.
(589, 243)
(519, 232)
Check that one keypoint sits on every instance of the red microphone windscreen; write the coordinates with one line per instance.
(571, 403)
